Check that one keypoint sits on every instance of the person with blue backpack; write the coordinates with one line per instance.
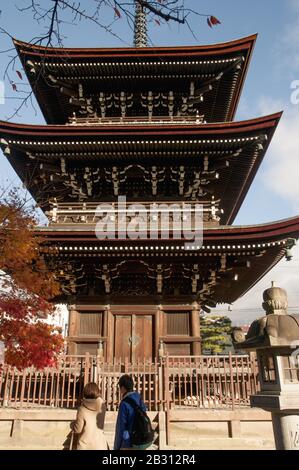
(133, 426)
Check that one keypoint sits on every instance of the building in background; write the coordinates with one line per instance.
(60, 318)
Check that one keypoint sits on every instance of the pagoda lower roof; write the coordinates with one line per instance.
(231, 260)
(234, 149)
(156, 69)
(270, 232)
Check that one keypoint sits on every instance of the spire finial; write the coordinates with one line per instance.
(140, 30)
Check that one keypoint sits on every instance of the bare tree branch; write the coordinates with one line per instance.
(53, 14)
(159, 12)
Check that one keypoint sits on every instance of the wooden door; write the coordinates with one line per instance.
(133, 337)
(142, 336)
(122, 334)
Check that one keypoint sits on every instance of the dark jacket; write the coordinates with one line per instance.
(125, 419)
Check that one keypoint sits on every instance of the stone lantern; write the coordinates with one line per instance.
(275, 338)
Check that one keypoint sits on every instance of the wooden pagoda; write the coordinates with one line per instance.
(154, 125)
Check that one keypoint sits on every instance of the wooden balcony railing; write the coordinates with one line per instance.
(91, 213)
(136, 120)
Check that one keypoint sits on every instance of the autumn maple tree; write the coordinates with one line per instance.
(27, 286)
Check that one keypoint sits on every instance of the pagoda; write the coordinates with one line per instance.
(154, 125)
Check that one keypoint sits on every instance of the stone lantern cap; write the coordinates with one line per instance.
(275, 329)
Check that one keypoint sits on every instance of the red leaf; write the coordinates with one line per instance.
(158, 22)
(117, 12)
(214, 20)
(14, 86)
(19, 75)
(209, 22)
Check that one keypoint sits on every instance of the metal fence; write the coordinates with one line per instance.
(170, 382)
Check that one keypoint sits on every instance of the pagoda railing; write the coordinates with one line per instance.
(68, 213)
(189, 382)
(135, 120)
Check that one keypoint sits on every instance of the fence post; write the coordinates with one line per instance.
(126, 365)
(254, 373)
(23, 386)
(232, 391)
(6, 386)
(160, 383)
(167, 400)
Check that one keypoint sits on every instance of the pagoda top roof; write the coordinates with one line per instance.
(218, 71)
(236, 149)
(250, 251)
(26, 48)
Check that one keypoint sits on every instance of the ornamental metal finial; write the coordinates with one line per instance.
(140, 29)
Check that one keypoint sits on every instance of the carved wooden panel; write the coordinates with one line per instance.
(177, 323)
(90, 323)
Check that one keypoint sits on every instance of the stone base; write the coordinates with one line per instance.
(286, 431)
(281, 401)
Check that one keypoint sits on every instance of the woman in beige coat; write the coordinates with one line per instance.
(90, 420)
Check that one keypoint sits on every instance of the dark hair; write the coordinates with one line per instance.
(91, 390)
(126, 381)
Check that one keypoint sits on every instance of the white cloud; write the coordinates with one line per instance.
(282, 171)
(288, 49)
(285, 275)
(280, 175)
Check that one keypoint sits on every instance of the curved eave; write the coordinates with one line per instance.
(263, 233)
(41, 52)
(25, 137)
(55, 112)
(265, 245)
(67, 131)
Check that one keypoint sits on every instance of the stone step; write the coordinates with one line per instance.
(110, 434)
(223, 444)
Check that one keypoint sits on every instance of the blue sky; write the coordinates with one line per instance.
(275, 192)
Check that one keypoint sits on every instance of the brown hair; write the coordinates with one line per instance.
(91, 390)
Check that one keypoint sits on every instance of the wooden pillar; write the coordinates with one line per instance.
(72, 328)
(195, 322)
(110, 334)
(158, 332)
(133, 342)
(105, 330)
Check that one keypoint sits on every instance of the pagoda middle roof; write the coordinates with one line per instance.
(242, 144)
(262, 246)
(160, 69)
